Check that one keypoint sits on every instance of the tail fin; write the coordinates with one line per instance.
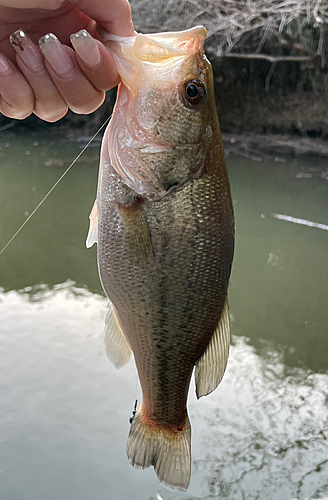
(168, 450)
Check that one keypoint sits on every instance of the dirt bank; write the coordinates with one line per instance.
(265, 146)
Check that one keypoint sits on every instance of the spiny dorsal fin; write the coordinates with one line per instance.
(93, 228)
(116, 345)
(211, 365)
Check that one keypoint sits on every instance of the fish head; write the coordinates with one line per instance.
(162, 118)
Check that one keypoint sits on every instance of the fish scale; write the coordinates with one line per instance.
(163, 221)
(176, 310)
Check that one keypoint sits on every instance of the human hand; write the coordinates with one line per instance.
(50, 80)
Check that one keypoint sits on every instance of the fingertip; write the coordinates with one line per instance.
(88, 103)
(122, 25)
(51, 115)
(113, 16)
(15, 113)
(17, 98)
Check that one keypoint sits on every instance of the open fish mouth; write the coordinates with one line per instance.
(165, 148)
(156, 148)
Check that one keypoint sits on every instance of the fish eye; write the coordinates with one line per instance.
(193, 91)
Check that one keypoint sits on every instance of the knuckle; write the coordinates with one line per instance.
(88, 102)
(52, 4)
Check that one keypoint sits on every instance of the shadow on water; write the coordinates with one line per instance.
(65, 409)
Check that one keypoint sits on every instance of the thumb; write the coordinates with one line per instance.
(112, 15)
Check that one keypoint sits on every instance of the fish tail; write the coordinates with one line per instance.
(167, 449)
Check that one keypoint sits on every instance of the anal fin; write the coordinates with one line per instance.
(116, 345)
(93, 227)
(211, 365)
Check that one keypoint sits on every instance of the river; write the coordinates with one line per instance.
(64, 409)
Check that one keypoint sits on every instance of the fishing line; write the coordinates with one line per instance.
(136, 386)
(54, 186)
(135, 399)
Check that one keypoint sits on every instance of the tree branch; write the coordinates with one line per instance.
(265, 57)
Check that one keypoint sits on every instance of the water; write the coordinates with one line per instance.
(64, 409)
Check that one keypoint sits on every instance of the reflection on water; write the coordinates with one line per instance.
(65, 412)
(269, 430)
(64, 409)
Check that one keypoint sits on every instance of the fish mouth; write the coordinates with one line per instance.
(164, 148)
(155, 148)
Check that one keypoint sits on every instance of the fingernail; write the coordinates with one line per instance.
(86, 48)
(56, 55)
(27, 51)
(5, 67)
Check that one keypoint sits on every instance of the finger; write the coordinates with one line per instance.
(113, 16)
(17, 98)
(49, 104)
(79, 94)
(95, 61)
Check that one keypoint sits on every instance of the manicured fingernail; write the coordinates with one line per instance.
(56, 55)
(27, 51)
(86, 48)
(5, 68)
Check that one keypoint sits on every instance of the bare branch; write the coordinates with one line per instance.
(249, 26)
(265, 57)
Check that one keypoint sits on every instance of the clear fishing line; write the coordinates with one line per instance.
(54, 186)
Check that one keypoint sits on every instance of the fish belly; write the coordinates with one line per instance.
(169, 298)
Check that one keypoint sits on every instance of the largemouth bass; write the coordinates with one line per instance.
(163, 220)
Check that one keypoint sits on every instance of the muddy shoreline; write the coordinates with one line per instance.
(262, 146)
(250, 144)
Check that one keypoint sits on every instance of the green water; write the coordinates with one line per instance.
(64, 409)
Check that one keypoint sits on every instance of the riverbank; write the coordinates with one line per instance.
(251, 145)
(266, 146)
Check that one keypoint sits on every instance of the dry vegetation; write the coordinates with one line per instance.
(275, 30)
(270, 58)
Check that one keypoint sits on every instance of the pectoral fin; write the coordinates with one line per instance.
(137, 234)
(116, 345)
(93, 228)
(211, 365)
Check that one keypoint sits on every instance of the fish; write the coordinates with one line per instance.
(164, 225)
